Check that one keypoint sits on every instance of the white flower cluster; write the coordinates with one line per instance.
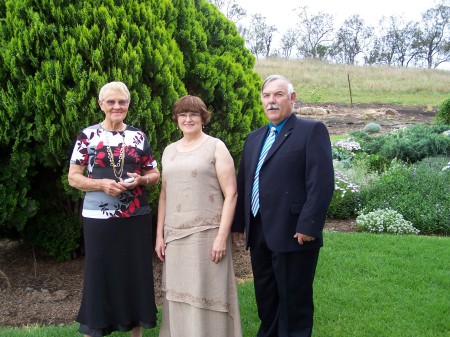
(348, 144)
(446, 167)
(342, 183)
(385, 220)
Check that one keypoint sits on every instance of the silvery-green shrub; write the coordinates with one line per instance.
(372, 128)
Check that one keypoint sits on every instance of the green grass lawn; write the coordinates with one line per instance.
(383, 285)
(374, 285)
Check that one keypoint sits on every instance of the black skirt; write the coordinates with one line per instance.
(118, 291)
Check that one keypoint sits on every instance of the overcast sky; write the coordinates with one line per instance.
(280, 12)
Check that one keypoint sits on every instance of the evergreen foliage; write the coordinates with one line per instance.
(443, 114)
(54, 57)
(410, 144)
(217, 69)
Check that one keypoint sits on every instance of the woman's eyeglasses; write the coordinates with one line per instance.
(185, 115)
(121, 102)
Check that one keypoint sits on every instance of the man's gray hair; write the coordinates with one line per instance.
(272, 78)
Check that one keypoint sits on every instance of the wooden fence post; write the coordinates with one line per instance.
(350, 90)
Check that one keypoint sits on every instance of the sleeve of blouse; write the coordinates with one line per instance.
(80, 153)
(148, 160)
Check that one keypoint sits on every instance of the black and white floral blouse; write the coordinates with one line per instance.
(90, 150)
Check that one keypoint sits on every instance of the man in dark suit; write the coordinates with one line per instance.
(285, 186)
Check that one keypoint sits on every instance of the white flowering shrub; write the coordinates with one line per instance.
(348, 144)
(446, 167)
(344, 150)
(344, 203)
(343, 184)
(385, 221)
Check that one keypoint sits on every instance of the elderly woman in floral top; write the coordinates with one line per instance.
(118, 293)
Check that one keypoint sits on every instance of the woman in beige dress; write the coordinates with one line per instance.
(196, 208)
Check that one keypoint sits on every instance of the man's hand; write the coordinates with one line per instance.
(301, 238)
(237, 238)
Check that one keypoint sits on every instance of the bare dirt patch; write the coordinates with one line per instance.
(341, 118)
(34, 289)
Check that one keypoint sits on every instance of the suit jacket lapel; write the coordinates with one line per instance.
(282, 136)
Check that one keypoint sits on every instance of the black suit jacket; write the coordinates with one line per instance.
(296, 184)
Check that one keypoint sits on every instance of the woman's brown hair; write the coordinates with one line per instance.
(190, 103)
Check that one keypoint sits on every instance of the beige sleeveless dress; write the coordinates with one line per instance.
(200, 295)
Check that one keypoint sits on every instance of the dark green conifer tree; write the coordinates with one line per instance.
(54, 57)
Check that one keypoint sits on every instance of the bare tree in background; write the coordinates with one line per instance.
(394, 46)
(259, 36)
(435, 34)
(396, 43)
(288, 41)
(314, 33)
(352, 39)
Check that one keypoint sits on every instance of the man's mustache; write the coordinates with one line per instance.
(273, 107)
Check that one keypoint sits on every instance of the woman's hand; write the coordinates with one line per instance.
(219, 249)
(130, 185)
(111, 187)
(160, 248)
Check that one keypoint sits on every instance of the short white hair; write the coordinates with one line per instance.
(115, 86)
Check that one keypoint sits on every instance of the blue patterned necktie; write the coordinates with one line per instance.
(255, 190)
